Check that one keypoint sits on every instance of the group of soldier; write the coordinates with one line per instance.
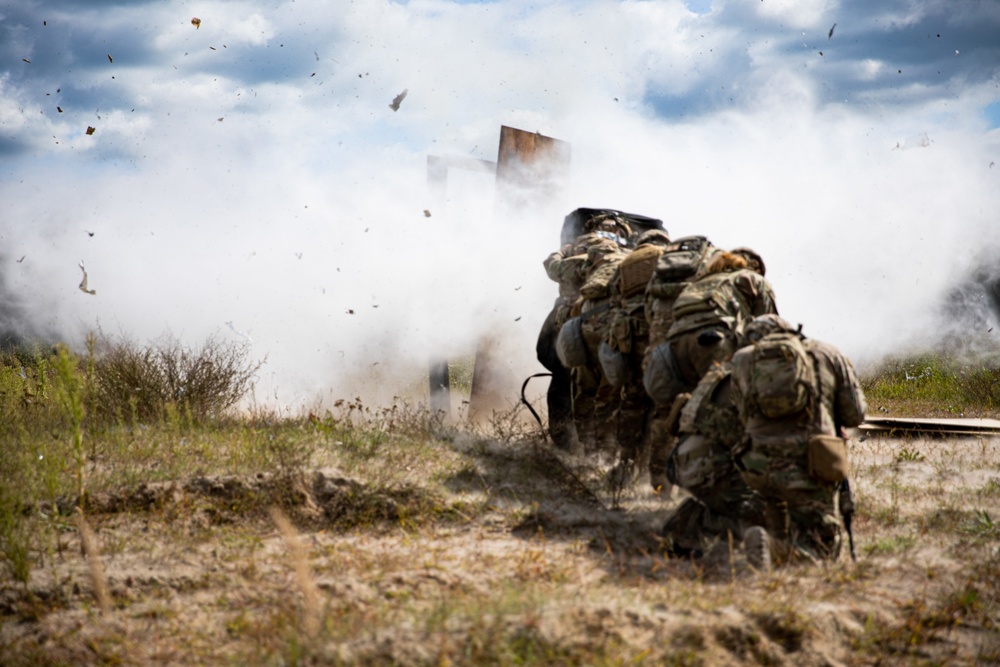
(669, 355)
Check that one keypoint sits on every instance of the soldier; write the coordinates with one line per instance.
(794, 396)
(708, 316)
(594, 399)
(681, 262)
(597, 252)
(709, 428)
(625, 348)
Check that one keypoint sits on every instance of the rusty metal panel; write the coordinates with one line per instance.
(530, 167)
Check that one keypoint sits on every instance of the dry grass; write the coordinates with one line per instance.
(403, 540)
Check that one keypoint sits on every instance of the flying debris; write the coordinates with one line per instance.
(196, 22)
(398, 99)
(241, 334)
(91, 130)
(59, 109)
(26, 60)
(299, 255)
(916, 141)
(829, 35)
(110, 59)
(991, 164)
(427, 213)
(350, 311)
(517, 319)
(22, 259)
(83, 283)
(89, 233)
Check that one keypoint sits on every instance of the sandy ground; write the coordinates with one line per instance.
(516, 558)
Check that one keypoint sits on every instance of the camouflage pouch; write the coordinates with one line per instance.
(613, 364)
(827, 458)
(636, 270)
(570, 344)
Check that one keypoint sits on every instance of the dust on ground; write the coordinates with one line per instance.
(519, 557)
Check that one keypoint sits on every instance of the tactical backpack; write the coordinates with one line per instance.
(782, 376)
(662, 379)
(711, 300)
(636, 270)
(682, 259)
(598, 283)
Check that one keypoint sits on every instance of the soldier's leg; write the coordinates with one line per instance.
(682, 531)
(815, 526)
(559, 400)
(584, 391)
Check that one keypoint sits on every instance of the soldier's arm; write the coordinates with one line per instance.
(849, 400)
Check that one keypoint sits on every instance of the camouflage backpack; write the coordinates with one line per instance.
(782, 378)
(636, 269)
(712, 300)
(682, 259)
(598, 283)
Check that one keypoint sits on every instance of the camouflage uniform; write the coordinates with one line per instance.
(800, 509)
(575, 391)
(566, 267)
(702, 463)
(699, 338)
(629, 336)
(594, 398)
(667, 282)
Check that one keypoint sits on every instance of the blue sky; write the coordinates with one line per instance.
(250, 170)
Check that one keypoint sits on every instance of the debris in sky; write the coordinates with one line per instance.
(350, 311)
(91, 130)
(517, 288)
(241, 334)
(83, 283)
(110, 59)
(196, 22)
(829, 35)
(89, 233)
(317, 56)
(26, 60)
(374, 305)
(398, 99)
(991, 164)
(220, 119)
(299, 255)
(427, 213)
(956, 52)
(22, 259)
(213, 48)
(59, 109)
(916, 141)
(517, 319)
(821, 53)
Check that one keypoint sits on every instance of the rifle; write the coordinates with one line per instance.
(847, 513)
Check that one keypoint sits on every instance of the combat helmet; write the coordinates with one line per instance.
(653, 237)
(762, 325)
(755, 261)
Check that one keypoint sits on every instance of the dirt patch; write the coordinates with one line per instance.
(515, 557)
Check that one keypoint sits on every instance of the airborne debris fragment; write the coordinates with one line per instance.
(398, 99)
(59, 109)
(83, 283)
(350, 311)
(829, 35)
(26, 60)
(110, 59)
(239, 333)
(517, 319)
(22, 259)
(427, 213)
(89, 233)
(196, 22)
(91, 130)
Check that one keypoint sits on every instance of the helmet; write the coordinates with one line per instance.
(755, 261)
(653, 236)
(762, 325)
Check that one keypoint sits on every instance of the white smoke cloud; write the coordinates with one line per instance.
(305, 201)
